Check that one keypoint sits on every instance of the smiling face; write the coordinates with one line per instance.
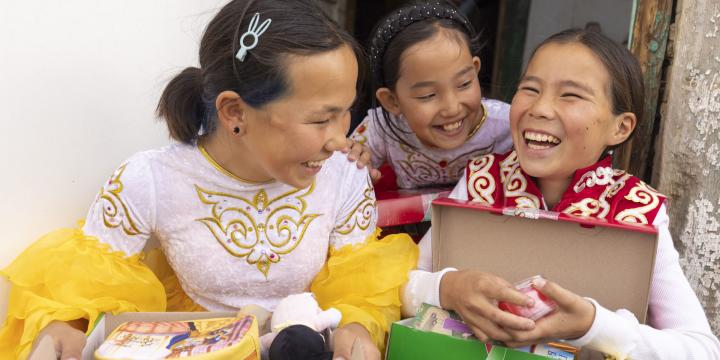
(561, 116)
(290, 138)
(437, 90)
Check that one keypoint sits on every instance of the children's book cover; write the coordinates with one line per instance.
(182, 339)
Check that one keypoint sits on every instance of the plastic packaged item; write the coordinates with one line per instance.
(542, 306)
(434, 319)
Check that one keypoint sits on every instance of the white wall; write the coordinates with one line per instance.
(550, 16)
(79, 81)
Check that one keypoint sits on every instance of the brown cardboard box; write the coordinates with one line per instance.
(609, 262)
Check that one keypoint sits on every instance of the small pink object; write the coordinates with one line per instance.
(542, 304)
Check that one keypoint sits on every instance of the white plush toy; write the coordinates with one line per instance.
(300, 309)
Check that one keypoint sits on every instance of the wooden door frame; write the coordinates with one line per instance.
(648, 42)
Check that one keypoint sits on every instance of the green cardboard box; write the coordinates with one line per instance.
(407, 343)
(503, 353)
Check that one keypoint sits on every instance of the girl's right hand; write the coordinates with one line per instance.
(474, 295)
(68, 341)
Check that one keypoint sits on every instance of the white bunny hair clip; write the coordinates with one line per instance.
(255, 31)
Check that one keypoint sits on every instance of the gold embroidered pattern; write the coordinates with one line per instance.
(424, 170)
(516, 184)
(481, 184)
(586, 207)
(115, 211)
(599, 176)
(361, 216)
(641, 194)
(600, 207)
(260, 229)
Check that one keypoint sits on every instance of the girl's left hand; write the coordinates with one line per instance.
(344, 338)
(358, 152)
(572, 319)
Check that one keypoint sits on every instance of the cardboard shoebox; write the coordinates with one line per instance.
(610, 262)
(407, 342)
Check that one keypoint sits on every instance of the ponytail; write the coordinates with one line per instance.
(181, 105)
(299, 27)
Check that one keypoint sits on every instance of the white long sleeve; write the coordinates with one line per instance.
(677, 326)
(423, 285)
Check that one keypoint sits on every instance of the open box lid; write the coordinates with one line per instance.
(608, 261)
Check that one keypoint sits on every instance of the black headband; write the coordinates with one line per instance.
(401, 19)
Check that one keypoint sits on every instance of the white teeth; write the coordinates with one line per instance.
(538, 147)
(529, 135)
(315, 163)
(452, 126)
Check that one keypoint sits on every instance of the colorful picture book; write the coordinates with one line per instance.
(219, 338)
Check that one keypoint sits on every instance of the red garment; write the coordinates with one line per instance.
(597, 191)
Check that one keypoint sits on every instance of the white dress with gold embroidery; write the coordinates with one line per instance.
(232, 243)
(422, 166)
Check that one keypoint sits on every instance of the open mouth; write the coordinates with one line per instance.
(450, 127)
(540, 141)
(315, 164)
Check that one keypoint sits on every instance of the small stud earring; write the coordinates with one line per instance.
(236, 130)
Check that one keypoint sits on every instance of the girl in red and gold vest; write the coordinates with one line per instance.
(580, 96)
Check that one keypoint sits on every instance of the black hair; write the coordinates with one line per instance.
(403, 28)
(299, 27)
(627, 89)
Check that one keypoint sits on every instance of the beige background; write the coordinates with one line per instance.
(79, 81)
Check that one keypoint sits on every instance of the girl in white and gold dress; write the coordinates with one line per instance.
(258, 207)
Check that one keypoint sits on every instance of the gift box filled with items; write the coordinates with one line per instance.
(608, 261)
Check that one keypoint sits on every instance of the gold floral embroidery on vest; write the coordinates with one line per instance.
(641, 194)
(115, 211)
(425, 170)
(259, 230)
(597, 207)
(516, 184)
(600, 176)
(481, 184)
(362, 214)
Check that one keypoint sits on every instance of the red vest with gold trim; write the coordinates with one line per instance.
(597, 191)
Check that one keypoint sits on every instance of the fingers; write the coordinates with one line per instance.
(348, 144)
(355, 152)
(370, 352)
(488, 330)
(563, 297)
(511, 295)
(375, 175)
(479, 334)
(363, 157)
(71, 346)
(510, 321)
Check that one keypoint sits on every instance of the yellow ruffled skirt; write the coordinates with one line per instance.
(364, 282)
(66, 275)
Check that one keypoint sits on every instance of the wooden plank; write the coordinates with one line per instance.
(510, 44)
(687, 163)
(648, 43)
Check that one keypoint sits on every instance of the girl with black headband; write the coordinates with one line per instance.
(432, 119)
(252, 203)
